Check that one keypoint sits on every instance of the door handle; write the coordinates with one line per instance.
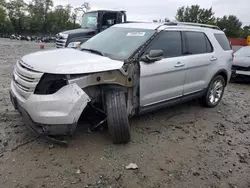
(213, 59)
(179, 64)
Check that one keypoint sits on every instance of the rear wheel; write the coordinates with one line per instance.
(117, 118)
(214, 92)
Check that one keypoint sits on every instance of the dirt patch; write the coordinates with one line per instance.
(182, 146)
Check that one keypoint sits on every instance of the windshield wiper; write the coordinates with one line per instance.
(93, 51)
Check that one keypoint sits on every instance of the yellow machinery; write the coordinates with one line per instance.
(248, 40)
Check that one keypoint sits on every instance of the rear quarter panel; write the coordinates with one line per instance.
(224, 58)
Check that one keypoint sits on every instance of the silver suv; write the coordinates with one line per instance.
(128, 69)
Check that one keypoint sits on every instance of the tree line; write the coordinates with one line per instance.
(230, 24)
(38, 17)
(42, 17)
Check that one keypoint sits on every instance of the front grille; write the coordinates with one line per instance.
(61, 41)
(25, 80)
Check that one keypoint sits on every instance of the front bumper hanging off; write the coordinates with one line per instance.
(51, 115)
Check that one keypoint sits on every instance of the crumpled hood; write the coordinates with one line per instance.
(69, 61)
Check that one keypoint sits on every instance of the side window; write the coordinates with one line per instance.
(170, 42)
(109, 19)
(223, 41)
(197, 43)
(208, 45)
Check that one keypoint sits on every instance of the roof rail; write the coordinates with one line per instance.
(199, 25)
(133, 22)
(166, 23)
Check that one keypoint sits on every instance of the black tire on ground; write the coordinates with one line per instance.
(205, 99)
(118, 123)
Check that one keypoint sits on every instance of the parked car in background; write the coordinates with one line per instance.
(45, 39)
(13, 36)
(4, 36)
(128, 69)
(48, 39)
(241, 63)
(93, 22)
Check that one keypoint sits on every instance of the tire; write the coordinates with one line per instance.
(117, 118)
(206, 99)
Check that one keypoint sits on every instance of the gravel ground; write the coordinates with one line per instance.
(184, 146)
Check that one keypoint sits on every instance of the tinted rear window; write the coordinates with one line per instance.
(223, 41)
(197, 43)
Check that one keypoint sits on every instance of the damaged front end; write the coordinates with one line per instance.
(97, 84)
(53, 114)
(57, 102)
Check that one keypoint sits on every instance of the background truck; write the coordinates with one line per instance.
(93, 22)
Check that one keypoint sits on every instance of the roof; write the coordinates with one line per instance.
(139, 25)
(105, 11)
(170, 25)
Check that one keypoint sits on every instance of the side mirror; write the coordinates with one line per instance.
(152, 56)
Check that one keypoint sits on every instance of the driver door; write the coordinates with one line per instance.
(163, 80)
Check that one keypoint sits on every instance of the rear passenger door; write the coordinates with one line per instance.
(199, 60)
(163, 80)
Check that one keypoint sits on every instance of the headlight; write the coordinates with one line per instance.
(50, 83)
(74, 44)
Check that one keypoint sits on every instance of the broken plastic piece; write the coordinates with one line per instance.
(132, 166)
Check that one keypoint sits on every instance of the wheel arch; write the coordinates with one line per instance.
(223, 73)
(113, 87)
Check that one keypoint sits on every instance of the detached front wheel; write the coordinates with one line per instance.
(117, 117)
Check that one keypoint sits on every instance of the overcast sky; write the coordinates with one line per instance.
(155, 9)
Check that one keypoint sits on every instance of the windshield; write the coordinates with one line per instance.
(89, 20)
(245, 51)
(117, 42)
